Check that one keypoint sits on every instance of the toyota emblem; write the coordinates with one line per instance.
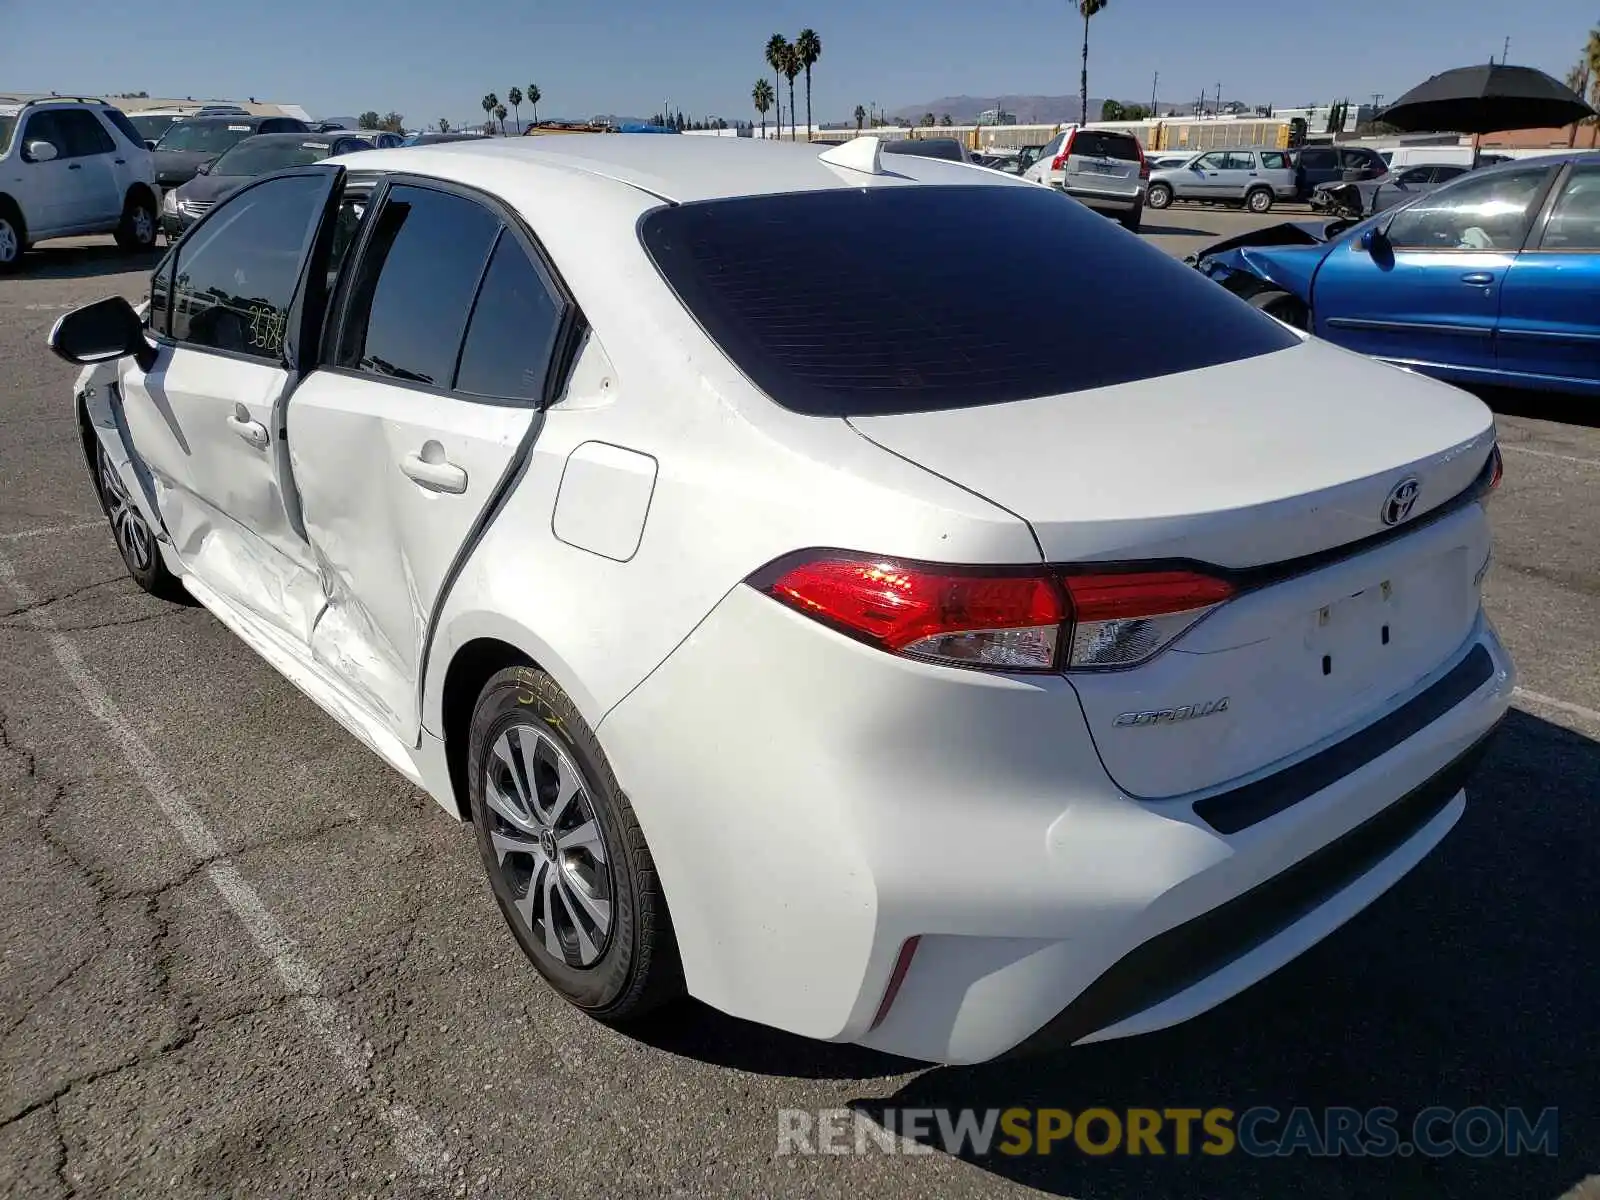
(1401, 500)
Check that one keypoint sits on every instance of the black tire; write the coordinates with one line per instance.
(139, 226)
(1258, 200)
(1159, 196)
(136, 540)
(1280, 304)
(637, 969)
(1131, 221)
(13, 237)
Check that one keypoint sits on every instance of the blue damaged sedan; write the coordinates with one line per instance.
(1493, 278)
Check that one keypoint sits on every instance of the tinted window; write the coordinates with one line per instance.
(1052, 147)
(1575, 220)
(854, 302)
(1241, 160)
(85, 135)
(1105, 145)
(927, 148)
(150, 129)
(237, 270)
(1479, 212)
(1318, 159)
(43, 127)
(124, 126)
(1274, 160)
(1417, 175)
(414, 288)
(1440, 174)
(513, 329)
(161, 293)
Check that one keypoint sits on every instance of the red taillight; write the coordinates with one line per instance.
(1022, 619)
(1059, 162)
(1010, 620)
(902, 964)
(1144, 163)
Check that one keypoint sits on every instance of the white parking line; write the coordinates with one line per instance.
(1571, 458)
(416, 1141)
(1564, 706)
(50, 530)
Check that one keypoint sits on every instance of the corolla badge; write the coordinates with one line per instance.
(1402, 498)
(1167, 716)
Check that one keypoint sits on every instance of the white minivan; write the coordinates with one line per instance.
(69, 166)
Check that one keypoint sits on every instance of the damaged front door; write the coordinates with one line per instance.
(205, 418)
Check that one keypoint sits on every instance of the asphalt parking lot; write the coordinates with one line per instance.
(238, 955)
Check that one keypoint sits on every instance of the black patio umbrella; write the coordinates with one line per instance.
(1486, 99)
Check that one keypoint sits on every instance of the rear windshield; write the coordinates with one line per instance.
(929, 148)
(205, 137)
(1105, 145)
(899, 299)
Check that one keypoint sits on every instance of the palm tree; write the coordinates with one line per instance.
(1088, 8)
(791, 68)
(487, 104)
(762, 95)
(444, 125)
(514, 98)
(533, 97)
(500, 115)
(861, 118)
(809, 47)
(777, 56)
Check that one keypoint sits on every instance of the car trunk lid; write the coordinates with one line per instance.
(1266, 468)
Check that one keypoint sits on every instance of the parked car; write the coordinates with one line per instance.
(72, 166)
(181, 207)
(1251, 178)
(949, 149)
(791, 631)
(1316, 165)
(373, 139)
(1375, 195)
(1163, 162)
(1103, 169)
(153, 124)
(186, 145)
(1489, 278)
(436, 139)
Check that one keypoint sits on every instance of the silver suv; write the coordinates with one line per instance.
(1253, 178)
(1104, 169)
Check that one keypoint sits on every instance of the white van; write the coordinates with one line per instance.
(1400, 157)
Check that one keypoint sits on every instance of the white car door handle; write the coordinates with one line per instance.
(253, 432)
(440, 476)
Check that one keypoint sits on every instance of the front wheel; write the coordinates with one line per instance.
(138, 228)
(136, 541)
(1159, 195)
(566, 859)
(11, 244)
(1259, 201)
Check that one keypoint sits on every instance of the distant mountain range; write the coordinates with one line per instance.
(1029, 110)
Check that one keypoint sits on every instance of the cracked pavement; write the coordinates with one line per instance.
(148, 1046)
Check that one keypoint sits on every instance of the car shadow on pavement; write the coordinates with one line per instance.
(87, 262)
(1563, 407)
(1148, 230)
(1471, 983)
(697, 1031)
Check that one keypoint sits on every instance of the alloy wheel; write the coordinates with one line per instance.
(133, 535)
(10, 247)
(144, 226)
(550, 849)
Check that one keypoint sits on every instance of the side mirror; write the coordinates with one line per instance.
(41, 151)
(205, 167)
(150, 143)
(101, 332)
(1375, 241)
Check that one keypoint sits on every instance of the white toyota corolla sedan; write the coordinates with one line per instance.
(813, 606)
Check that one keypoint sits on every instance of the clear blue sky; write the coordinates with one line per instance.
(428, 60)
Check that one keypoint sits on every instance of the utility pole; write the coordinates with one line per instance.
(1219, 99)
(1153, 84)
(1505, 54)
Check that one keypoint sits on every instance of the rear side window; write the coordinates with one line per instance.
(858, 302)
(124, 126)
(1093, 144)
(414, 286)
(85, 135)
(1318, 160)
(513, 329)
(1275, 160)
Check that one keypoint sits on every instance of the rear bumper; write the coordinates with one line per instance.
(813, 804)
(1121, 202)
